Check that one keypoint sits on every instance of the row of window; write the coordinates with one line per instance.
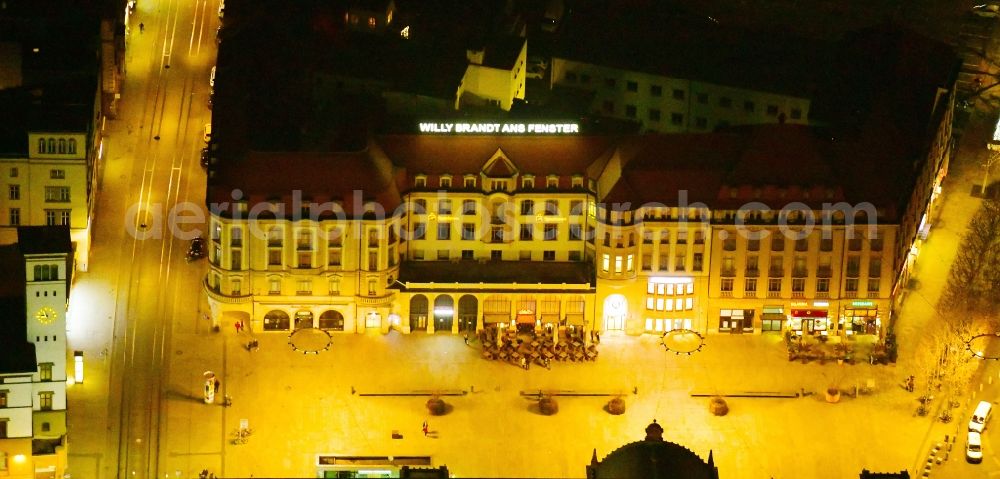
(798, 285)
(496, 255)
(53, 194)
(550, 232)
(45, 397)
(527, 207)
(62, 146)
(777, 243)
(655, 115)
(52, 217)
(470, 181)
(55, 174)
(656, 91)
(304, 259)
(799, 266)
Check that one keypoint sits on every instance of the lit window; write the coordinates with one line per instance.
(371, 22)
(605, 263)
(618, 264)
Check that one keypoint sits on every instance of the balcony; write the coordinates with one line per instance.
(823, 272)
(799, 273)
(822, 295)
(850, 294)
(727, 272)
(775, 272)
(798, 294)
(774, 294)
(304, 247)
(751, 272)
(853, 272)
(374, 301)
(873, 295)
(217, 295)
(726, 294)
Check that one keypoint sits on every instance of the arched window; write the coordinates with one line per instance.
(72, 146)
(332, 320)
(62, 146)
(52, 145)
(276, 320)
(41, 145)
(418, 312)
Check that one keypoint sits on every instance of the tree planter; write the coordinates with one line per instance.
(615, 406)
(832, 395)
(718, 406)
(436, 406)
(548, 406)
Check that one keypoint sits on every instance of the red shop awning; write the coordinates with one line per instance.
(809, 313)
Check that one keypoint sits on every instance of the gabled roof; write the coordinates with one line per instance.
(499, 166)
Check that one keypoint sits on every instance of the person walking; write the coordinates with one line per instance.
(141, 28)
(216, 386)
(425, 428)
(466, 339)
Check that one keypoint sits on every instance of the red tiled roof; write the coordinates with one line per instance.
(536, 155)
(317, 177)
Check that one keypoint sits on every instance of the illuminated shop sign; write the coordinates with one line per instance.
(862, 304)
(480, 128)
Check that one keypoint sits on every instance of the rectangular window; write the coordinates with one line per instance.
(14, 192)
(470, 182)
(469, 207)
(57, 217)
(630, 111)
(748, 106)
(696, 265)
(468, 231)
(304, 287)
(774, 285)
(678, 94)
(772, 110)
(798, 285)
(527, 231)
(851, 285)
(443, 254)
(796, 113)
(13, 172)
(551, 207)
(551, 232)
(274, 286)
(654, 114)
(873, 285)
(853, 266)
(677, 119)
(57, 174)
(527, 208)
(44, 371)
(679, 262)
(750, 286)
(305, 260)
(444, 231)
(444, 207)
(274, 257)
(703, 98)
(655, 90)
(333, 257)
(822, 285)
(874, 267)
(45, 400)
(3, 399)
(610, 82)
(468, 254)
(575, 232)
(549, 255)
(726, 285)
(701, 123)
(236, 260)
(632, 86)
(15, 216)
(618, 264)
(56, 194)
(629, 263)
(373, 261)
(725, 102)
(419, 230)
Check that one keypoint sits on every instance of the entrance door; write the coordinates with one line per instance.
(468, 313)
(808, 325)
(303, 319)
(444, 313)
(736, 326)
(615, 312)
(418, 313)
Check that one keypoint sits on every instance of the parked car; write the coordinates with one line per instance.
(208, 133)
(204, 158)
(986, 10)
(197, 249)
(974, 448)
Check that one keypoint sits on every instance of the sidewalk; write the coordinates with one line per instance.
(931, 271)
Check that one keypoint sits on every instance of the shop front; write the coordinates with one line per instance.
(809, 321)
(772, 319)
(736, 321)
(861, 317)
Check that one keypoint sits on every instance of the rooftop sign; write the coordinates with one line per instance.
(505, 128)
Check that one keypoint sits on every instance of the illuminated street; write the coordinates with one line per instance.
(124, 308)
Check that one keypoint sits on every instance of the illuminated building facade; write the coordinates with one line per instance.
(34, 289)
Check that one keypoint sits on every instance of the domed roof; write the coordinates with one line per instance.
(653, 458)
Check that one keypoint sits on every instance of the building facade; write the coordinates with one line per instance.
(636, 235)
(34, 377)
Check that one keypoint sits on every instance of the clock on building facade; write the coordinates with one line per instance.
(45, 315)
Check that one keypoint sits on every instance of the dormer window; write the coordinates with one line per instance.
(577, 181)
(445, 181)
(470, 181)
(420, 181)
(528, 182)
(552, 181)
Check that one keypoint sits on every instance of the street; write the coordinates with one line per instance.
(127, 303)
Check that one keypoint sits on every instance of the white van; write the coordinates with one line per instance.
(208, 132)
(981, 416)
